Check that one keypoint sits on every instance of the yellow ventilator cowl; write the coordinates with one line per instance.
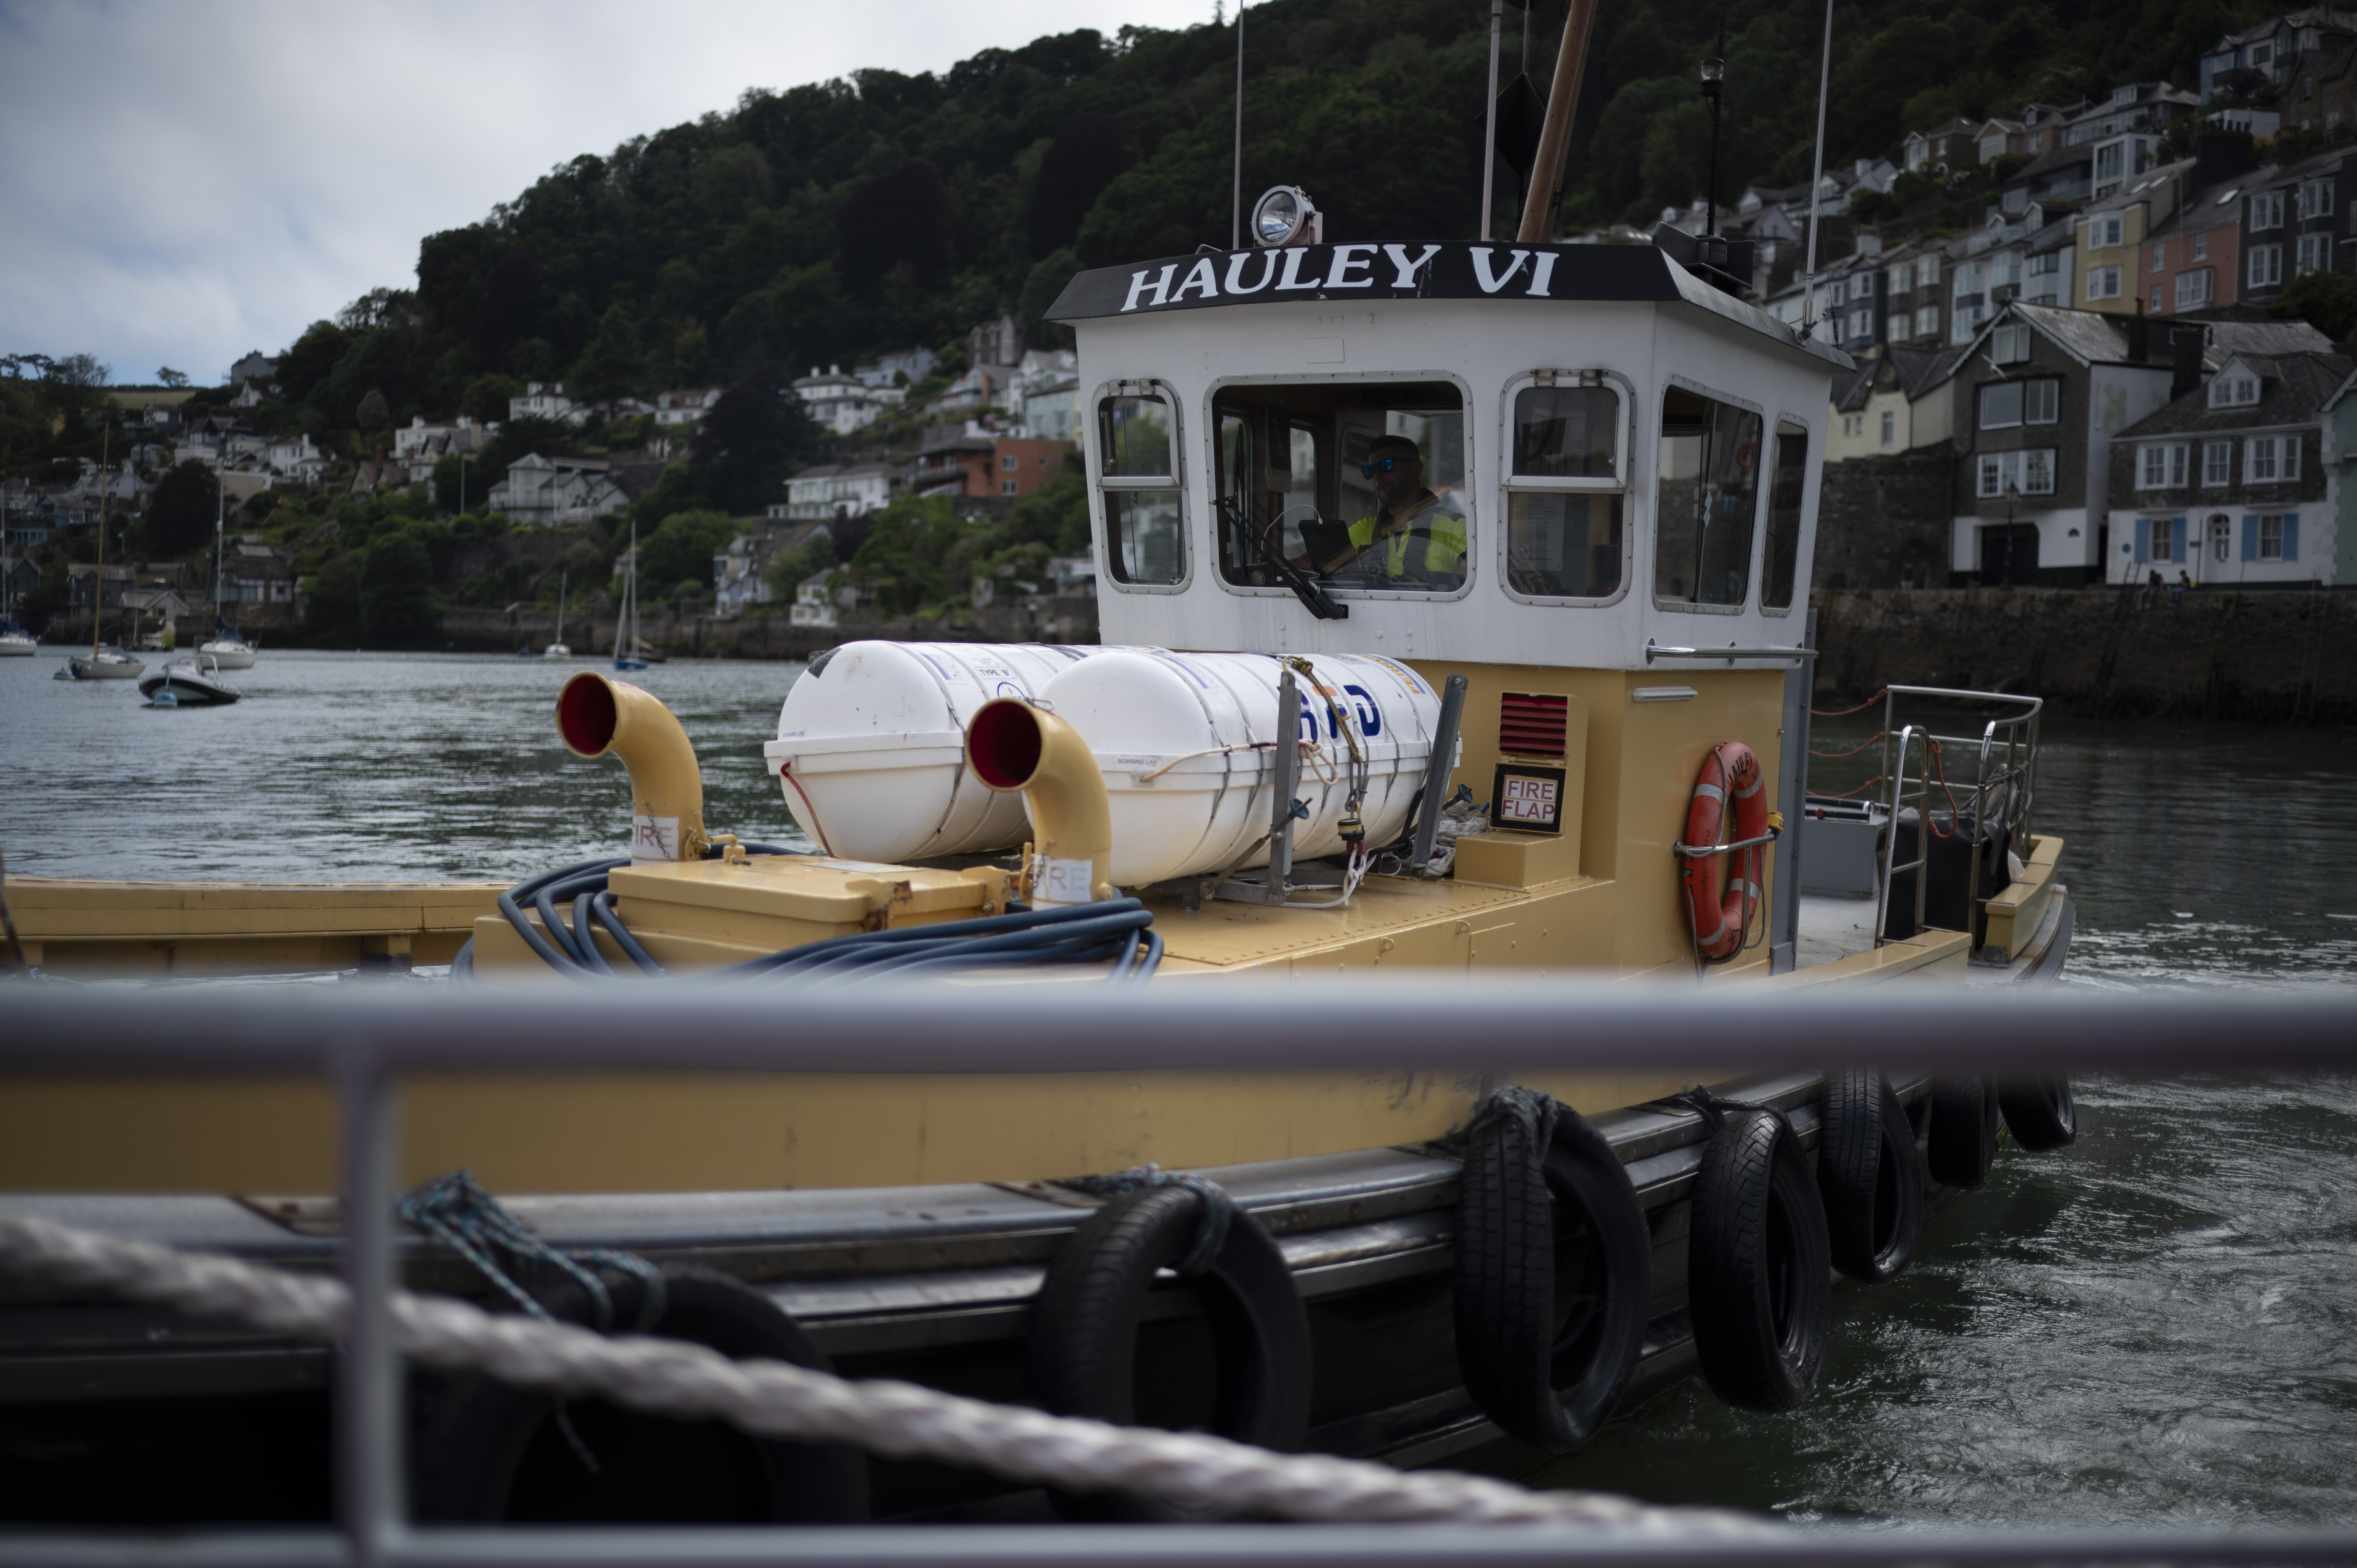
(1010, 746)
(595, 716)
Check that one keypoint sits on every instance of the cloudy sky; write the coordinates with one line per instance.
(183, 183)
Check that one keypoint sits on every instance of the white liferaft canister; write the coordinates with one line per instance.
(871, 746)
(1186, 743)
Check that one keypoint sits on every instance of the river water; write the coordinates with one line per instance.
(2156, 1326)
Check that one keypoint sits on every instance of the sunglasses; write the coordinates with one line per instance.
(1382, 465)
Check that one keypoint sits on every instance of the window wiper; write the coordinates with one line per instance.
(1314, 598)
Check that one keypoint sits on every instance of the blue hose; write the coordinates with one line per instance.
(1113, 929)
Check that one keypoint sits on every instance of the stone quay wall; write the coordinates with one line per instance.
(2270, 656)
(1885, 520)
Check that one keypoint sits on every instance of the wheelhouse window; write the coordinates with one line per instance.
(1352, 485)
(1566, 493)
(1706, 505)
(1137, 473)
(1779, 577)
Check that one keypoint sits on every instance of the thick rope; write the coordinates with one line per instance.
(771, 1398)
(1211, 1232)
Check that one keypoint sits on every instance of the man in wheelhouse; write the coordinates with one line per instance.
(1415, 540)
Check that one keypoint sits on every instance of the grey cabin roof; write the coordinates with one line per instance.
(2292, 389)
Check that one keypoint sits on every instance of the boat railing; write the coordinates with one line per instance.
(2003, 789)
(363, 1043)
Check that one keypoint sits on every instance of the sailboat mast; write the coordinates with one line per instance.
(98, 583)
(561, 580)
(221, 518)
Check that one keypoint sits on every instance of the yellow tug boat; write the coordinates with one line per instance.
(1454, 611)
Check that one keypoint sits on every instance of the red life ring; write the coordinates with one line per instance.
(1720, 922)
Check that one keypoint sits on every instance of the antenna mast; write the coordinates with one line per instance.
(1236, 202)
(1817, 181)
(1490, 142)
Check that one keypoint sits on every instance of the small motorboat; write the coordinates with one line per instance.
(16, 643)
(191, 683)
(102, 664)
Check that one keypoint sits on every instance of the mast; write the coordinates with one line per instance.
(1817, 181)
(1490, 132)
(98, 583)
(1554, 135)
(220, 516)
(561, 580)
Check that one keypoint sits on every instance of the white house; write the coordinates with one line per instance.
(844, 403)
(813, 605)
(1052, 409)
(542, 491)
(428, 442)
(906, 367)
(839, 489)
(546, 400)
(295, 457)
(686, 407)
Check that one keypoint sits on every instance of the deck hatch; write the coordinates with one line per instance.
(1533, 724)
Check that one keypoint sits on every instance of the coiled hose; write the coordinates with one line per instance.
(1116, 928)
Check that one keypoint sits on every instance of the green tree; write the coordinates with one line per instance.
(48, 598)
(180, 511)
(171, 378)
(613, 364)
(789, 569)
(396, 598)
(901, 560)
(374, 413)
(683, 545)
(331, 596)
(750, 437)
(2327, 301)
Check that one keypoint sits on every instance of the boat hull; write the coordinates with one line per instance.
(178, 686)
(228, 655)
(102, 668)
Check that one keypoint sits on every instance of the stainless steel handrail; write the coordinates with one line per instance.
(1730, 652)
(2018, 772)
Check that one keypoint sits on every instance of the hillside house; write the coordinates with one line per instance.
(547, 400)
(2111, 239)
(686, 407)
(2240, 63)
(2230, 480)
(840, 489)
(2035, 398)
(2321, 96)
(844, 403)
(904, 368)
(424, 442)
(2295, 221)
(1953, 145)
(540, 492)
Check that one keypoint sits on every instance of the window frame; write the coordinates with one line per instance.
(2174, 461)
(2109, 275)
(1747, 604)
(1210, 437)
(2225, 451)
(1982, 462)
(1624, 485)
(2189, 298)
(1772, 429)
(1100, 521)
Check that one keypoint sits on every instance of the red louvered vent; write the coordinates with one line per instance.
(1533, 725)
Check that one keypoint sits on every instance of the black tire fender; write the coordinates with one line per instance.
(1081, 1350)
(2040, 1112)
(1960, 1145)
(1759, 1277)
(1553, 1272)
(486, 1452)
(1871, 1177)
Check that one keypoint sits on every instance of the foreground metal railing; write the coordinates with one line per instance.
(2005, 771)
(366, 1038)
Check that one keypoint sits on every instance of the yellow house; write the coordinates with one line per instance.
(2111, 240)
(1876, 410)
